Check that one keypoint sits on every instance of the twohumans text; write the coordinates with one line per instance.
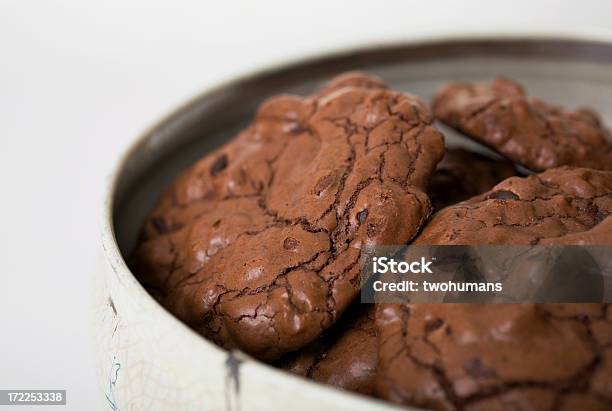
(382, 265)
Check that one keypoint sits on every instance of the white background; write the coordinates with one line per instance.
(79, 80)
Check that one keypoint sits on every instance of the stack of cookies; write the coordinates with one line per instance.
(258, 245)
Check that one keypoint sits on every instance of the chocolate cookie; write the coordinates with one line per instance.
(345, 357)
(559, 206)
(257, 246)
(532, 357)
(463, 174)
(526, 130)
(511, 357)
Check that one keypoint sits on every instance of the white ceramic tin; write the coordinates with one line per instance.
(148, 360)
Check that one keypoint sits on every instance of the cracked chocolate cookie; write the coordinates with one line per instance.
(512, 356)
(463, 174)
(345, 357)
(559, 206)
(257, 245)
(528, 131)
